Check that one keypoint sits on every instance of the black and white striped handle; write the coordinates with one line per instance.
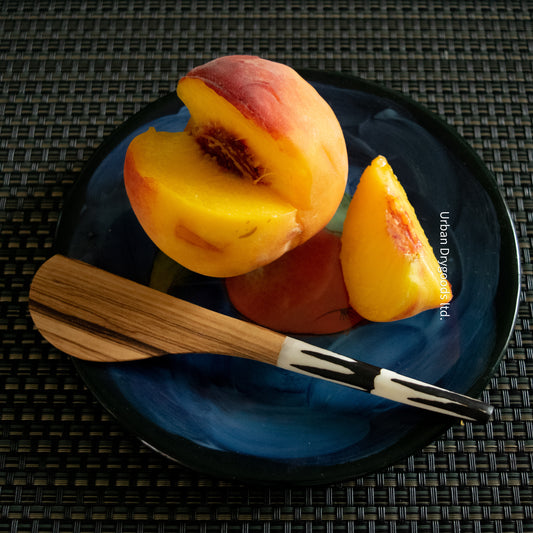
(307, 359)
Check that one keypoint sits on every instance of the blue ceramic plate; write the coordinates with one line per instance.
(235, 418)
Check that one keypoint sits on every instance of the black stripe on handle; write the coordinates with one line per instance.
(299, 357)
(361, 376)
(462, 406)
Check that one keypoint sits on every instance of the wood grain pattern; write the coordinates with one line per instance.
(94, 315)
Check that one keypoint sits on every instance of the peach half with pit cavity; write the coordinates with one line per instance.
(260, 168)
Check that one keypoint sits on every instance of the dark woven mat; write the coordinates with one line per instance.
(70, 73)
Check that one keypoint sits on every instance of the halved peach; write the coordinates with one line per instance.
(389, 267)
(301, 292)
(203, 216)
(260, 169)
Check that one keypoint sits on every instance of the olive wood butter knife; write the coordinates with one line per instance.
(97, 316)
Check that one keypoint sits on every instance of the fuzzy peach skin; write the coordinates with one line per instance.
(389, 267)
(261, 168)
(302, 292)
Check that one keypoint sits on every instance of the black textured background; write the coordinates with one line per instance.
(70, 73)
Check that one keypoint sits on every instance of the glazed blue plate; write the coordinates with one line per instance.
(243, 420)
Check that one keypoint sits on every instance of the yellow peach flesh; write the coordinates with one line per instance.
(201, 100)
(389, 267)
(186, 212)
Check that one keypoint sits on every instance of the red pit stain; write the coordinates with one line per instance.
(400, 228)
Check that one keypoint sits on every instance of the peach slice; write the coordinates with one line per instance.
(389, 267)
(260, 169)
(301, 292)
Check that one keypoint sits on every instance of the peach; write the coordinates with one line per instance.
(301, 292)
(260, 168)
(389, 267)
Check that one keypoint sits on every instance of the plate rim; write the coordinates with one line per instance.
(505, 326)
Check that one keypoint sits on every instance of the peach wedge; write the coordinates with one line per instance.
(260, 168)
(389, 267)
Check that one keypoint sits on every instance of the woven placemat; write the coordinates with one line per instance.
(73, 71)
